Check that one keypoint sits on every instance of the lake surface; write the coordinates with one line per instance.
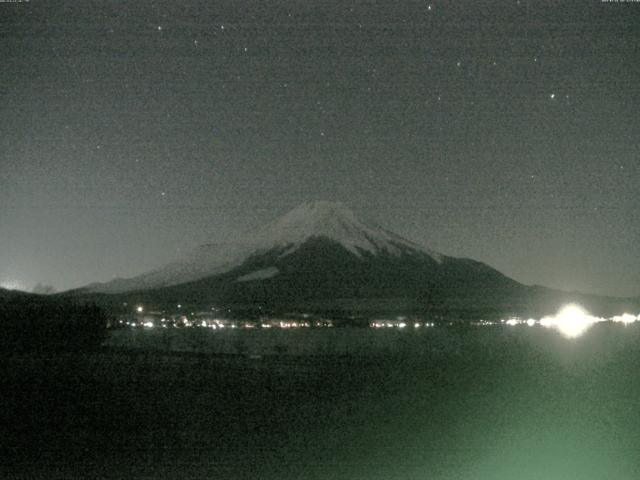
(444, 403)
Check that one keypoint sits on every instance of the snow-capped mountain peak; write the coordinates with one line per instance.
(334, 221)
(320, 219)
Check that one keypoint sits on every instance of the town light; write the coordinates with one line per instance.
(625, 318)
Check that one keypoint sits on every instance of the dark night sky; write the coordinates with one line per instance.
(508, 131)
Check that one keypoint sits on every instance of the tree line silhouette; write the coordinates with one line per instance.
(31, 323)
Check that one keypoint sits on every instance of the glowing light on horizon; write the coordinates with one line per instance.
(12, 285)
(571, 321)
(625, 318)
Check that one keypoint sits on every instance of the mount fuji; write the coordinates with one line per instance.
(321, 257)
(309, 222)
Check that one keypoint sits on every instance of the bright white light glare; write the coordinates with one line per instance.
(572, 321)
(140, 309)
(548, 322)
(148, 324)
(531, 322)
(512, 322)
(625, 318)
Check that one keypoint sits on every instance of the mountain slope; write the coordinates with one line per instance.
(329, 220)
(322, 273)
(321, 257)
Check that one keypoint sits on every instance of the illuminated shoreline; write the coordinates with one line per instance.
(571, 321)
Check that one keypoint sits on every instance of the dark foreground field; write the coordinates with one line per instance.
(503, 404)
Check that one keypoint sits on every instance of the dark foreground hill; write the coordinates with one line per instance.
(32, 323)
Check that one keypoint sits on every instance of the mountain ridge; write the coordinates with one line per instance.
(327, 219)
(320, 257)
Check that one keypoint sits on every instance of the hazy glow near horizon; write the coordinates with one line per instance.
(12, 285)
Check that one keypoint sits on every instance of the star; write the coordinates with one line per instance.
(429, 7)
(159, 28)
(552, 96)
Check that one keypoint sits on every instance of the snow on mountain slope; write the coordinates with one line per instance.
(259, 275)
(329, 220)
(334, 221)
(206, 260)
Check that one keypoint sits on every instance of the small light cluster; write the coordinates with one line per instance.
(215, 324)
(484, 323)
(151, 319)
(399, 324)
